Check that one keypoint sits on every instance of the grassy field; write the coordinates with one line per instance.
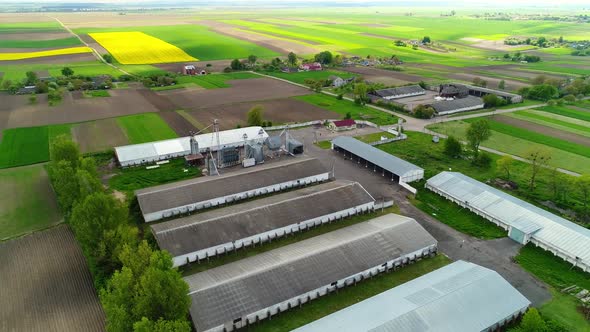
(214, 81)
(370, 138)
(571, 125)
(96, 93)
(62, 42)
(343, 107)
(348, 296)
(27, 202)
(314, 75)
(146, 127)
(38, 54)
(518, 142)
(198, 41)
(283, 241)
(558, 274)
(566, 111)
(130, 179)
(15, 27)
(24, 146)
(17, 73)
(453, 215)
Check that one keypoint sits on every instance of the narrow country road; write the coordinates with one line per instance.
(94, 51)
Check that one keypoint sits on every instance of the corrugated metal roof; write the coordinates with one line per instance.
(572, 239)
(400, 91)
(182, 193)
(451, 105)
(459, 297)
(240, 288)
(181, 145)
(211, 228)
(378, 157)
(492, 91)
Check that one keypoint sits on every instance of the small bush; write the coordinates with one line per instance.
(483, 160)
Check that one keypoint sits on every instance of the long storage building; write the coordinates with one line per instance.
(523, 221)
(195, 194)
(459, 297)
(241, 293)
(233, 227)
(377, 160)
(137, 154)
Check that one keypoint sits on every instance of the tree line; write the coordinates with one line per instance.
(137, 285)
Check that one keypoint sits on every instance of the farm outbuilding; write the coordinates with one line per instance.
(459, 297)
(246, 291)
(137, 154)
(195, 194)
(400, 92)
(468, 103)
(219, 231)
(377, 160)
(479, 91)
(523, 221)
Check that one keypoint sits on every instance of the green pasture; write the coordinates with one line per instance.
(374, 137)
(17, 73)
(343, 107)
(130, 179)
(567, 112)
(580, 128)
(509, 142)
(215, 81)
(300, 77)
(27, 201)
(198, 41)
(54, 43)
(49, 26)
(147, 127)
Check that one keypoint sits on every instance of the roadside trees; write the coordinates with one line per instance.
(505, 165)
(478, 132)
(538, 159)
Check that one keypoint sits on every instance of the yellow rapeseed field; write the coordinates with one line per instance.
(135, 48)
(30, 55)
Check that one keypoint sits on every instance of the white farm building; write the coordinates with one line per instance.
(523, 221)
(460, 297)
(182, 197)
(240, 293)
(137, 154)
(223, 230)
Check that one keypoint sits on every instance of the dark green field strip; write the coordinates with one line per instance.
(538, 138)
(64, 42)
(563, 110)
(554, 121)
(215, 81)
(24, 146)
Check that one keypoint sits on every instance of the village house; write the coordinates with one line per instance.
(342, 125)
(316, 66)
(338, 81)
(193, 70)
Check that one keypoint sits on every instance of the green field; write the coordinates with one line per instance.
(144, 128)
(24, 146)
(370, 138)
(571, 125)
(130, 179)
(198, 41)
(17, 73)
(343, 107)
(314, 75)
(27, 201)
(63, 42)
(565, 111)
(49, 26)
(559, 275)
(348, 296)
(211, 81)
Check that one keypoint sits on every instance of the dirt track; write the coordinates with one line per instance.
(46, 285)
(178, 123)
(278, 111)
(548, 131)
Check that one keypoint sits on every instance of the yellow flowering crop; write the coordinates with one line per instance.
(134, 48)
(29, 55)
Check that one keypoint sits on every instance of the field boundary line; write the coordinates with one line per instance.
(94, 51)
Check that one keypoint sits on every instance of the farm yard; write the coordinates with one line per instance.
(47, 285)
(562, 131)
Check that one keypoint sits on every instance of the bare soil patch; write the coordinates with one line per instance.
(278, 111)
(511, 85)
(71, 110)
(264, 40)
(34, 35)
(98, 136)
(387, 77)
(47, 285)
(160, 102)
(180, 125)
(253, 89)
(56, 59)
(571, 137)
(114, 19)
(494, 45)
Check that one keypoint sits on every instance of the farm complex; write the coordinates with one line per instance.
(358, 167)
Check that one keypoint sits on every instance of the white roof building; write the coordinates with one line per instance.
(460, 297)
(137, 154)
(523, 221)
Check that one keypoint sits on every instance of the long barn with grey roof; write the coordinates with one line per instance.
(240, 293)
(468, 103)
(377, 160)
(400, 92)
(523, 221)
(222, 230)
(460, 297)
(190, 195)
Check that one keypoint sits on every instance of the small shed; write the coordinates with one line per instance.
(342, 125)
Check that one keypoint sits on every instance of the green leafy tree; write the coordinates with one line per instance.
(146, 325)
(478, 132)
(478, 81)
(453, 148)
(292, 59)
(107, 58)
(583, 186)
(255, 116)
(532, 322)
(324, 57)
(6, 84)
(252, 59)
(67, 71)
(423, 112)
(63, 148)
(61, 174)
(543, 92)
(360, 93)
(236, 64)
(31, 78)
(502, 85)
(505, 164)
(426, 40)
(33, 99)
(41, 87)
(491, 101)
(538, 159)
